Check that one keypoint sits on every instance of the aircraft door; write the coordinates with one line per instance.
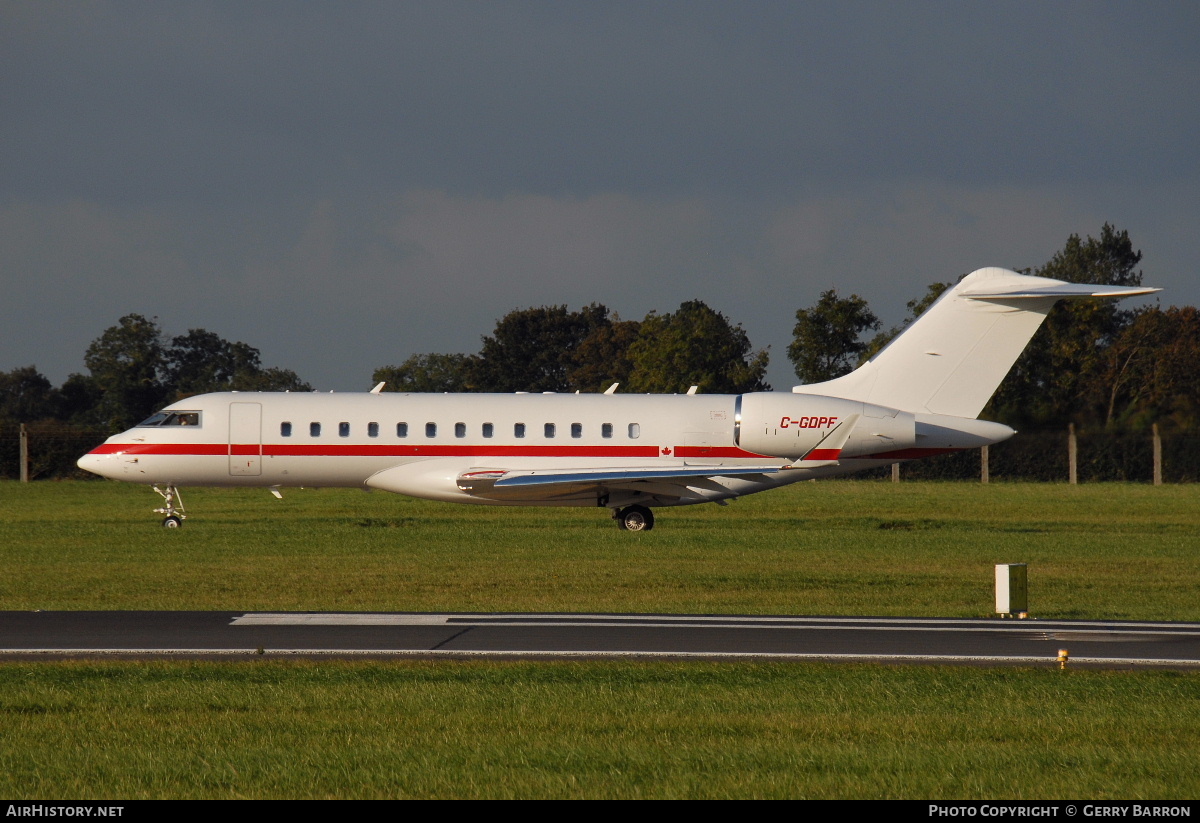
(245, 439)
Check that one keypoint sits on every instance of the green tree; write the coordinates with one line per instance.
(202, 361)
(270, 379)
(534, 349)
(125, 362)
(26, 395)
(1151, 372)
(78, 400)
(1047, 385)
(695, 346)
(827, 339)
(427, 373)
(602, 358)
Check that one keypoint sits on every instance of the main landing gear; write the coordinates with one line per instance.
(634, 518)
(173, 508)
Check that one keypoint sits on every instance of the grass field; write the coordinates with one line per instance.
(592, 729)
(1119, 551)
(266, 728)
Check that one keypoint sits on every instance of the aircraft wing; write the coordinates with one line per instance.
(526, 478)
(675, 480)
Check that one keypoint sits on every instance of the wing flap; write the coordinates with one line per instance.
(547, 477)
(672, 480)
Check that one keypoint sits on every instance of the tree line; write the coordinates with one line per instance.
(1094, 363)
(133, 369)
(553, 349)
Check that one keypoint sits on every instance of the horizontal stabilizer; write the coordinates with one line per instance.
(1058, 291)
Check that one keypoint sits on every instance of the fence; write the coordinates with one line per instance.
(53, 449)
(1046, 456)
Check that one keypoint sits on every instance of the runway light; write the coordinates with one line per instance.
(1063, 654)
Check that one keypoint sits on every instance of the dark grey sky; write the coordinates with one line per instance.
(345, 184)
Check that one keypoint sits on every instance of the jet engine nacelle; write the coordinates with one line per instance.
(783, 425)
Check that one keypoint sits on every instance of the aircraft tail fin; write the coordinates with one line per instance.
(952, 358)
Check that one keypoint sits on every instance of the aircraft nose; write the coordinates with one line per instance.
(100, 464)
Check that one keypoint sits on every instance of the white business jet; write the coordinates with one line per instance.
(919, 396)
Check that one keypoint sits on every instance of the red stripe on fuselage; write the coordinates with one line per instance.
(432, 450)
(823, 454)
(163, 448)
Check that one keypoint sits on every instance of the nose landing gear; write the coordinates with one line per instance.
(173, 509)
(634, 518)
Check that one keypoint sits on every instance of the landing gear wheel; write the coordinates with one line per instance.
(635, 519)
(173, 509)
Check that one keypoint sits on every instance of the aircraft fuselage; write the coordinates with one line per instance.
(424, 445)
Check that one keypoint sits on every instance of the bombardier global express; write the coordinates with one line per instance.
(921, 395)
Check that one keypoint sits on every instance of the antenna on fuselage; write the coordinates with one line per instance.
(378, 388)
(612, 389)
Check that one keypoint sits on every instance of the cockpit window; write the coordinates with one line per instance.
(172, 418)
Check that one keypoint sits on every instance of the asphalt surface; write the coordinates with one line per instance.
(1123, 644)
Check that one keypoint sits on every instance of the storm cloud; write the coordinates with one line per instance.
(345, 184)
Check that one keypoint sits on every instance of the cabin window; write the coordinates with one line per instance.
(577, 430)
(285, 429)
(314, 429)
(343, 429)
(460, 429)
(372, 430)
(606, 430)
(431, 429)
(402, 430)
(548, 429)
(635, 431)
(488, 429)
(518, 430)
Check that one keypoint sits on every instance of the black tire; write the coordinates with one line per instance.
(172, 522)
(636, 519)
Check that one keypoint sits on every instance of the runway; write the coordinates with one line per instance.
(1118, 644)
